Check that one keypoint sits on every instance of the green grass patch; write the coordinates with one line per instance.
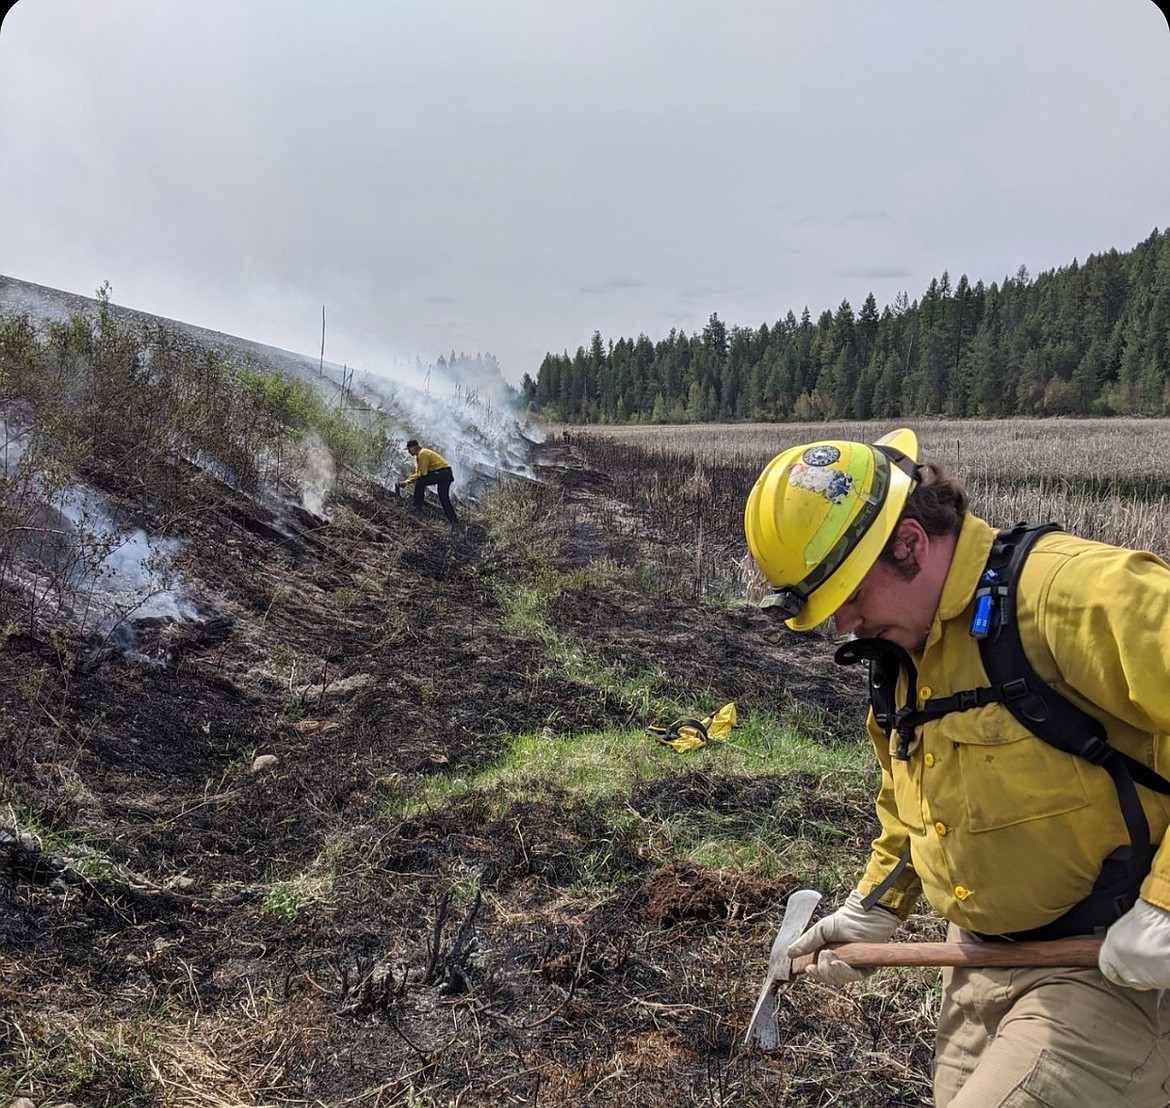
(53, 1055)
(768, 799)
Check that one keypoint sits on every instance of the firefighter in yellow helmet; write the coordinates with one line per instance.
(818, 517)
(1007, 834)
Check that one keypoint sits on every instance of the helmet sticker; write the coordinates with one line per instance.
(832, 484)
(820, 455)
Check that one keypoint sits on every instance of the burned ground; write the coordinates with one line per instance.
(457, 959)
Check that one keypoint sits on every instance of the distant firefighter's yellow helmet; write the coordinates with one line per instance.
(818, 517)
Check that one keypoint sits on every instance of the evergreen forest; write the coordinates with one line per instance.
(1085, 339)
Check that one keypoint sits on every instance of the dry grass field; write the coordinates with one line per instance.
(1105, 479)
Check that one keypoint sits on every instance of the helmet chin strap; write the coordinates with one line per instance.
(903, 461)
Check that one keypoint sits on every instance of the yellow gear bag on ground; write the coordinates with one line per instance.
(690, 734)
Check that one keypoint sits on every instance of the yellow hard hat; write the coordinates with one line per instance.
(818, 516)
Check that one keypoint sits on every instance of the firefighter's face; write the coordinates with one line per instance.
(896, 602)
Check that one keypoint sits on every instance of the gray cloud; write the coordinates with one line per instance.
(239, 165)
(874, 272)
(614, 284)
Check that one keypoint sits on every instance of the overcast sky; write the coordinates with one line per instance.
(509, 176)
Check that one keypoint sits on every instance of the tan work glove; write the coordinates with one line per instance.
(1136, 950)
(850, 923)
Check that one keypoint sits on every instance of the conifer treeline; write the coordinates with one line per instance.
(1086, 339)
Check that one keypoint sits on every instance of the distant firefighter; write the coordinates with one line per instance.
(431, 468)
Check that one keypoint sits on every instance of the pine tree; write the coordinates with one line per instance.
(1085, 338)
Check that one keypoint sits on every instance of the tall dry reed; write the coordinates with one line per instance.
(1107, 480)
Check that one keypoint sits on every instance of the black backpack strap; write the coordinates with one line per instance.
(1015, 682)
(886, 661)
(870, 899)
(1061, 724)
(1025, 694)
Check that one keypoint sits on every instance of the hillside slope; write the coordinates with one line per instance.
(236, 866)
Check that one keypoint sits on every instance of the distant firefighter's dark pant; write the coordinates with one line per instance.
(442, 479)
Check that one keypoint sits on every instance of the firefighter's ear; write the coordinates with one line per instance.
(909, 545)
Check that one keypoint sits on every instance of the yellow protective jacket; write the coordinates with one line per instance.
(427, 461)
(1005, 832)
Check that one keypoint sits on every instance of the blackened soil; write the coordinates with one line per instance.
(454, 955)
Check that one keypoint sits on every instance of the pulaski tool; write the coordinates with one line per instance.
(763, 1029)
(765, 1032)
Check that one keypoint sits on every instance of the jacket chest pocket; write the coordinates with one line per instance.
(1007, 774)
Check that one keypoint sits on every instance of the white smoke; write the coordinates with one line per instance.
(463, 409)
(317, 476)
(120, 574)
(104, 575)
(13, 444)
(461, 406)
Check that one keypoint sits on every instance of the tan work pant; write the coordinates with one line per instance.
(1049, 1038)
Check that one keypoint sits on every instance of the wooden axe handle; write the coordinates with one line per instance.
(1059, 952)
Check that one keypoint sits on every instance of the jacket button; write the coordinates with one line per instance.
(961, 892)
(928, 760)
(941, 828)
(925, 692)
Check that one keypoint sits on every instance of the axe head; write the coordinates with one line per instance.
(763, 1029)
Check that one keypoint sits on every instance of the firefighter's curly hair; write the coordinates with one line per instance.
(938, 502)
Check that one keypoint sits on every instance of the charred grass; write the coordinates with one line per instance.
(470, 877)
(383, 825)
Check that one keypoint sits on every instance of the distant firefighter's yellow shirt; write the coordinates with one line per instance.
(427, 461)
